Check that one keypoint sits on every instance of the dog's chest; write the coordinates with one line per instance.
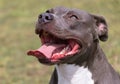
(72, 74)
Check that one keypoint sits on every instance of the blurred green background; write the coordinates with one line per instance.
(17, 23)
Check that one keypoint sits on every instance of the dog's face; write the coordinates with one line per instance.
(66, 34)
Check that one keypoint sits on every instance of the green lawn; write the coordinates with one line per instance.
(17, 23)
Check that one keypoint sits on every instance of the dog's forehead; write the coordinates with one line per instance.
(60, 10)
(64, 10)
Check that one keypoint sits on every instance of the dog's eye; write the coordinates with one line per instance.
(73, 17)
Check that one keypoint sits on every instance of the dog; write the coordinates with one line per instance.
(70, 41)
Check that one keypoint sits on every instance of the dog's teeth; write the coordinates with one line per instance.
(63, 51)
(67, 48)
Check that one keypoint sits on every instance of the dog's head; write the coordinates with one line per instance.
(67, 35)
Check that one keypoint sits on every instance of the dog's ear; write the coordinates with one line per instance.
(101, 27)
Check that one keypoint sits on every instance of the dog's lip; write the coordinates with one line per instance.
(56, 57)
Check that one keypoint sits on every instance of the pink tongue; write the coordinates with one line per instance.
(46, 50)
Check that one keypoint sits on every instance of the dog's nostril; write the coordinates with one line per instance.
(45, 17)
(49, 17)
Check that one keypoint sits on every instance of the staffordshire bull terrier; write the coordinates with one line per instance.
(70, 41)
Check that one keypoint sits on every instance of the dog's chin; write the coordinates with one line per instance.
(55, 50)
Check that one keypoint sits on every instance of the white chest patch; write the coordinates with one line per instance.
(72, 74)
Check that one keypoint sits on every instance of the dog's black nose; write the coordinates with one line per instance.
(45, 17)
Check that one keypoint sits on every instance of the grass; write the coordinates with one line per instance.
(17, 22)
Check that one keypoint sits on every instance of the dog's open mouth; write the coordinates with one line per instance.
(54, 48)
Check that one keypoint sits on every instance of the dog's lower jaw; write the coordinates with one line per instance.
(73, 74)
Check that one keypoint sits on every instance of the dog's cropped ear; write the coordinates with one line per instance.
(101, 27)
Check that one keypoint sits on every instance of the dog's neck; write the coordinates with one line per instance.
(78, 72)
(73, 74)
